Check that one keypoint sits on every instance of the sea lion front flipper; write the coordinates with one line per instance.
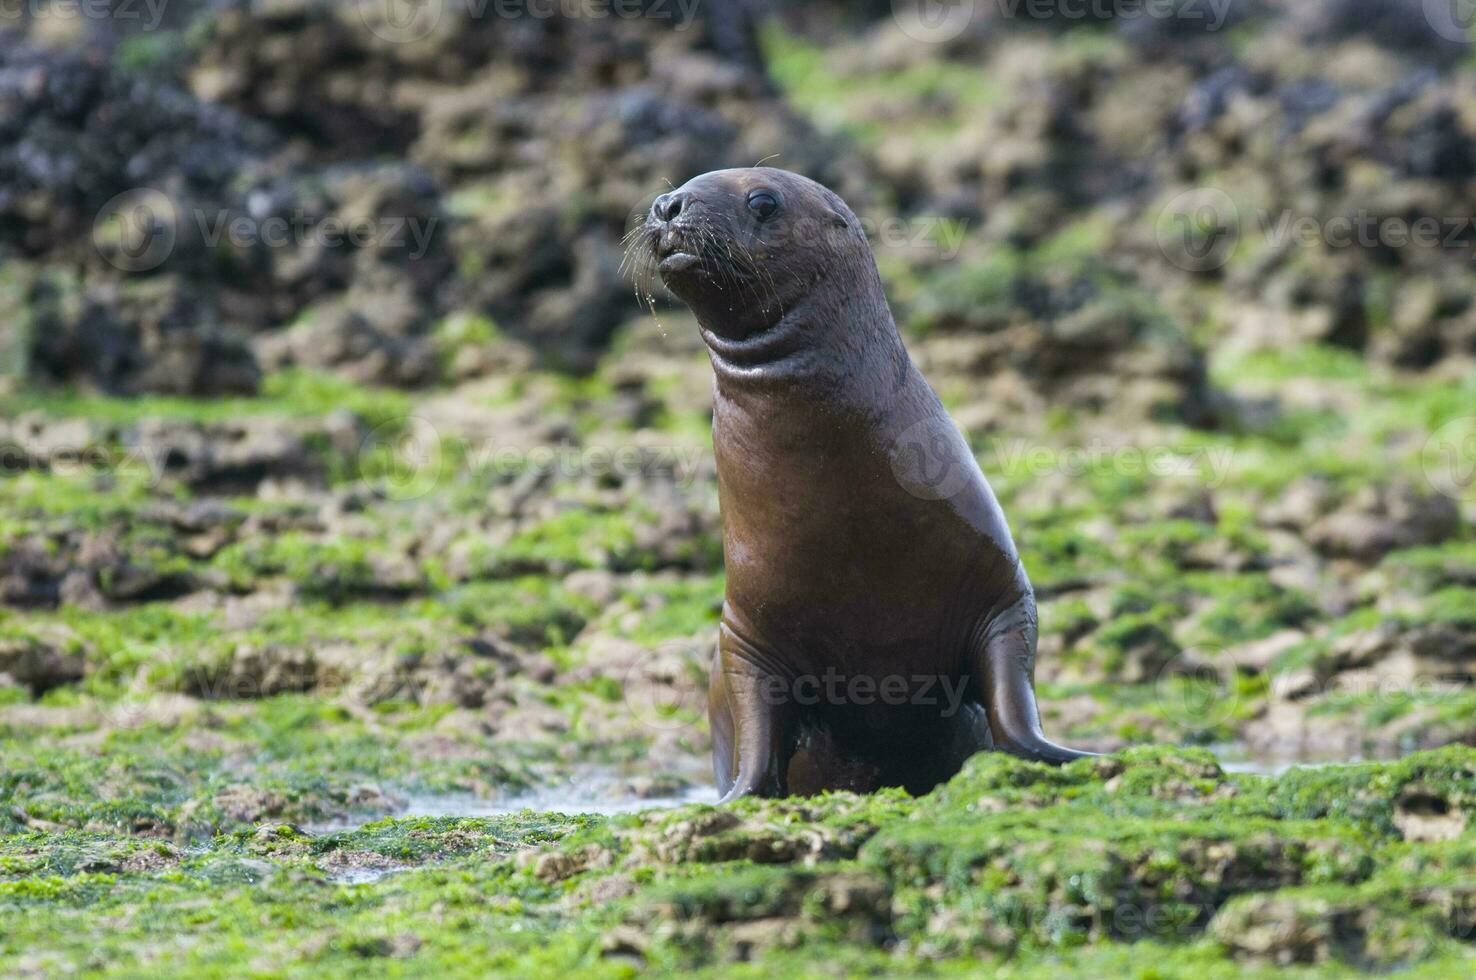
(750, 718)
(1006, 669)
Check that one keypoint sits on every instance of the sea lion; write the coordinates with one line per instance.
(877, 626)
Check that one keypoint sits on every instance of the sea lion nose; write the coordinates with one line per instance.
(669, 205)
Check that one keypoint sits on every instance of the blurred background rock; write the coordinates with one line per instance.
(525, 142)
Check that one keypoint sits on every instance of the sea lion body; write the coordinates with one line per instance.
(877, 625)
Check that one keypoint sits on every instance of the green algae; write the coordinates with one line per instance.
(294, 758)
(856, 104)
(286, 394)
(1152, 856)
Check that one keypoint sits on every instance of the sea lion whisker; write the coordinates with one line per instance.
(638, 261)
(630, 243)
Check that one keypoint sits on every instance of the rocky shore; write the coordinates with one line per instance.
(345, 476)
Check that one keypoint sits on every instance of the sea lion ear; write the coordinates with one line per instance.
(838, 219)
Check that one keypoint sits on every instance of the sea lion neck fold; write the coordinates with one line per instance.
(796, 347)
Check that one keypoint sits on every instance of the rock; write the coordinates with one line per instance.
(249, 671)
(1379, 520)
(155, 336)
(472, 673)
(1398, 653)
(555, 866)
(192, 232)
(1411, 26)
(740, 923)
(1280, 931)
(551, 128)
(80, 143)
(30, 574)
(217, 457)
(655, 787)
(595, 584)
(1300, 504)
(242, 803)
(628, 942)
(336, 337)
(42, 661)
(1068, 345)
(1257, 657)
(1423, 814)
(1197, 506)
(225, 457)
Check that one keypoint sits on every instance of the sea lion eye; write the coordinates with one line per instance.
(763, 204)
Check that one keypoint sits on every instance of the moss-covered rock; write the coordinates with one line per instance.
(1021, 866)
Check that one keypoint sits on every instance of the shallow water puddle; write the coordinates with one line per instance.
(599, 791)
(554, 799)
(362, 876)
(1235, 759)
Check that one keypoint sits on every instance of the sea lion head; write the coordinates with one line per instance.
(742, 247)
